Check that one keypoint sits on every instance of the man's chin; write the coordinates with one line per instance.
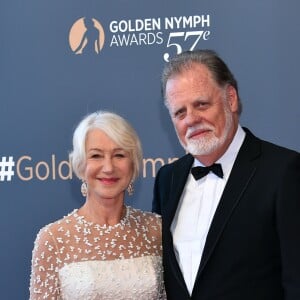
(200, 149)
(201, 153)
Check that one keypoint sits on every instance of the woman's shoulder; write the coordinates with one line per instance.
(143, 213)
(144, 216)
(59, 225)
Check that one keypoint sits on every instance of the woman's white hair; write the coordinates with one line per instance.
(117, 128)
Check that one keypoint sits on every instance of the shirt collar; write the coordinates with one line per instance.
(228, 158)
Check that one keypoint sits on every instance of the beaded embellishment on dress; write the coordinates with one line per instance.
(77, 259)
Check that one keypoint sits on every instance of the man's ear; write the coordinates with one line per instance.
(232, 98)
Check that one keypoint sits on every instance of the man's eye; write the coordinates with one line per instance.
(179, 114)
(202, 105)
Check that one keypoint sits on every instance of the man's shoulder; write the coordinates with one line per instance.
(268, 145)
(181, 161)
(180, 165)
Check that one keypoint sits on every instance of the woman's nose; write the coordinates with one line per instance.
(107, 164)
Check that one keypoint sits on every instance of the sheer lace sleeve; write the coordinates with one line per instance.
(44, 282)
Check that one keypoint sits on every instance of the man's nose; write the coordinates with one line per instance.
(192, 117)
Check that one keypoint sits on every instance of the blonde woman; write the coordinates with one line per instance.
(104, 249)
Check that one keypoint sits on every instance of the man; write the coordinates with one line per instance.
(230, 231)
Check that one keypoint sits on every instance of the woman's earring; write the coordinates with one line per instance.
(84, 189)
(130, 189)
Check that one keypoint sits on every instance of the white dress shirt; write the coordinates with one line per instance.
(196, 209)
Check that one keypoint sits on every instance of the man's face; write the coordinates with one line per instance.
(204, 114)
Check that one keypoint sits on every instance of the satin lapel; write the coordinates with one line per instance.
(179, 177)
(241, 174)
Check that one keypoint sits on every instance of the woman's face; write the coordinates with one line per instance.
(109, 168)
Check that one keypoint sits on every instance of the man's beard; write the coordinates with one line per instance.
(207, 144)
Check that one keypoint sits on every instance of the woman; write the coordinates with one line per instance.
(105, 249)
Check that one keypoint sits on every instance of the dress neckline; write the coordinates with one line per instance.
(83, 220)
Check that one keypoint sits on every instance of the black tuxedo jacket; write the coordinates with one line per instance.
(252, 250)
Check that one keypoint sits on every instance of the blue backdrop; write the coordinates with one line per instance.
(50, 77)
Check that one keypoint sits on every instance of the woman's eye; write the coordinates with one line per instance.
(95, 156)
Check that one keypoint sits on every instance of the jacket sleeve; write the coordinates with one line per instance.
(288, 222)
(156, 201)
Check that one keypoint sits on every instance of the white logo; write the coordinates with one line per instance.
(6, 168)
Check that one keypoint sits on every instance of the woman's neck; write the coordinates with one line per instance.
(103, 214)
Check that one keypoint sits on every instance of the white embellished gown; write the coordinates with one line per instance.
(77, 259)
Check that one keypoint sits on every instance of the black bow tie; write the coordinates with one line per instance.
(199, 172)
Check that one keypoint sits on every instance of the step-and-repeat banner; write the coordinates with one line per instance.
(60, 60)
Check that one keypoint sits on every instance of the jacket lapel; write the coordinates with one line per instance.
(179, 176)
(241, 174)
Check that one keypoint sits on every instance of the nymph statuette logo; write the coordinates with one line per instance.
(86, 36)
